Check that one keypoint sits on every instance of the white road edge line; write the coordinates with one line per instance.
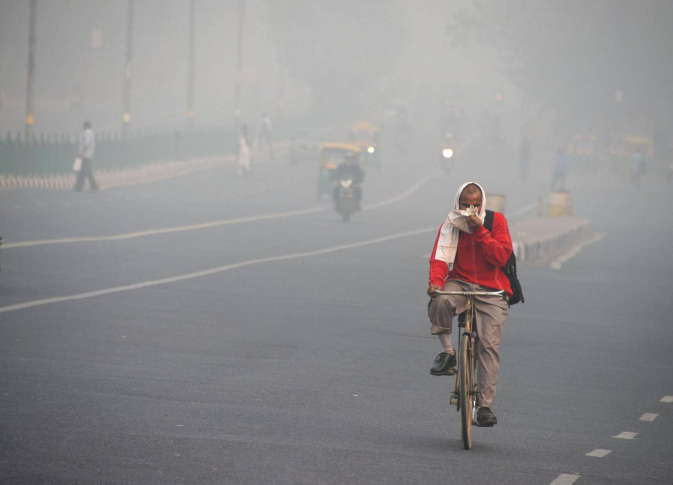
(207, 225)
(667, 399)
(624, 435)
(648, 417)
(565, 479)
(558, 263)
(218, 269)
(599, 453)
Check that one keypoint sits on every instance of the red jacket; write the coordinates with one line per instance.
(478, 259)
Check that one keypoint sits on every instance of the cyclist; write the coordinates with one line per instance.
(467, 257)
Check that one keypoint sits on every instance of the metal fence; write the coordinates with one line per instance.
(53, 154)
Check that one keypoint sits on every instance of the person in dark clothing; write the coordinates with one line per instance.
(350, 168)
(87, 147)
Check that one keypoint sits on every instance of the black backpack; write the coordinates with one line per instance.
(510, 267)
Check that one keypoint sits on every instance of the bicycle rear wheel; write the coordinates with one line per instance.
(466, 389)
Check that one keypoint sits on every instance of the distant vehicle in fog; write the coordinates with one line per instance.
(331, 156)
(366, 137)
(348, 192)
(447, 153)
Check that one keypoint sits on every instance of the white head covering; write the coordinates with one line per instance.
(456, 221)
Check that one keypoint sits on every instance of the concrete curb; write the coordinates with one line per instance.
(540, 238)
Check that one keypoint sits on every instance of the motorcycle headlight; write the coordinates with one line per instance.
(371, 149)
(447, 153)
(346, 183)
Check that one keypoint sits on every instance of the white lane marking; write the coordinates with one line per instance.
(666, 399)
(558, 263)
(165, 230)
(599, 453)
(207, 272)
(207, 225)
(565, 479)
(410, 191)
(624, 435)
(648, 417)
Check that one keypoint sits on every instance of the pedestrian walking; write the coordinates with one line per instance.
(638, 167)
(558, 179)
(244, 153)
(266, 135)
(87, 147)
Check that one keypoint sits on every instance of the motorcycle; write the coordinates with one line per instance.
(346, 201)
(447, 159)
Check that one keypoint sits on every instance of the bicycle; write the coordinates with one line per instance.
(465, 391)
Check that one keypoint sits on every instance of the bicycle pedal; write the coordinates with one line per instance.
(454, 399)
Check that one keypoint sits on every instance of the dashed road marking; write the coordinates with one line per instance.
(599, 453)
(648, 417)
(666, 399)
(565, 479)
(558, 263)
(211, 271)
(624, 435)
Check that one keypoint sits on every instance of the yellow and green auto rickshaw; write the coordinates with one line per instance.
(331, 155)
(366, 138)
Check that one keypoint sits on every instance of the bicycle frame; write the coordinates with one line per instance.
(465, 392)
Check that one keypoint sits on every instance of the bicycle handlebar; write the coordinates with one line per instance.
(470, 293)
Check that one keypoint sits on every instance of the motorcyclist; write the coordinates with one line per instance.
(350, 168)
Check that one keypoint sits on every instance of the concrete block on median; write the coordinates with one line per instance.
(541, 237)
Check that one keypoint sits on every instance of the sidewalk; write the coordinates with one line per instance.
(150, 172)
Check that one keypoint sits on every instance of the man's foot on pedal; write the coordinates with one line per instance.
(444, 365)
(486, 418)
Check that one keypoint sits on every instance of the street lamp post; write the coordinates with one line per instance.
(239, 63)
(190, 94)
(126, 117)
(30, 119)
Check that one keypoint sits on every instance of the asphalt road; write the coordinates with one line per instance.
(280, 345)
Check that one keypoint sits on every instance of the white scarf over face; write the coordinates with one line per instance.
(456, 221)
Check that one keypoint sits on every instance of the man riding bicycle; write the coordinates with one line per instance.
(469, 257)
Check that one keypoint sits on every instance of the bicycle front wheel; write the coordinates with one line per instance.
(466, 389)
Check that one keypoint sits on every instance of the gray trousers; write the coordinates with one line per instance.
(491, 313)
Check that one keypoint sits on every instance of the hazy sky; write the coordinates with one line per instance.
(547, 59)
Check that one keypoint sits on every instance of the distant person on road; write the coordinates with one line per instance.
(524, 158)
(87, 147)
(266, 135)
(638, 167)
(469, 257)
(558, 178)
(244, 153)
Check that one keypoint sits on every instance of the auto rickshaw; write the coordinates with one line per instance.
(366, 138)
(331, 155)
(622, 149)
